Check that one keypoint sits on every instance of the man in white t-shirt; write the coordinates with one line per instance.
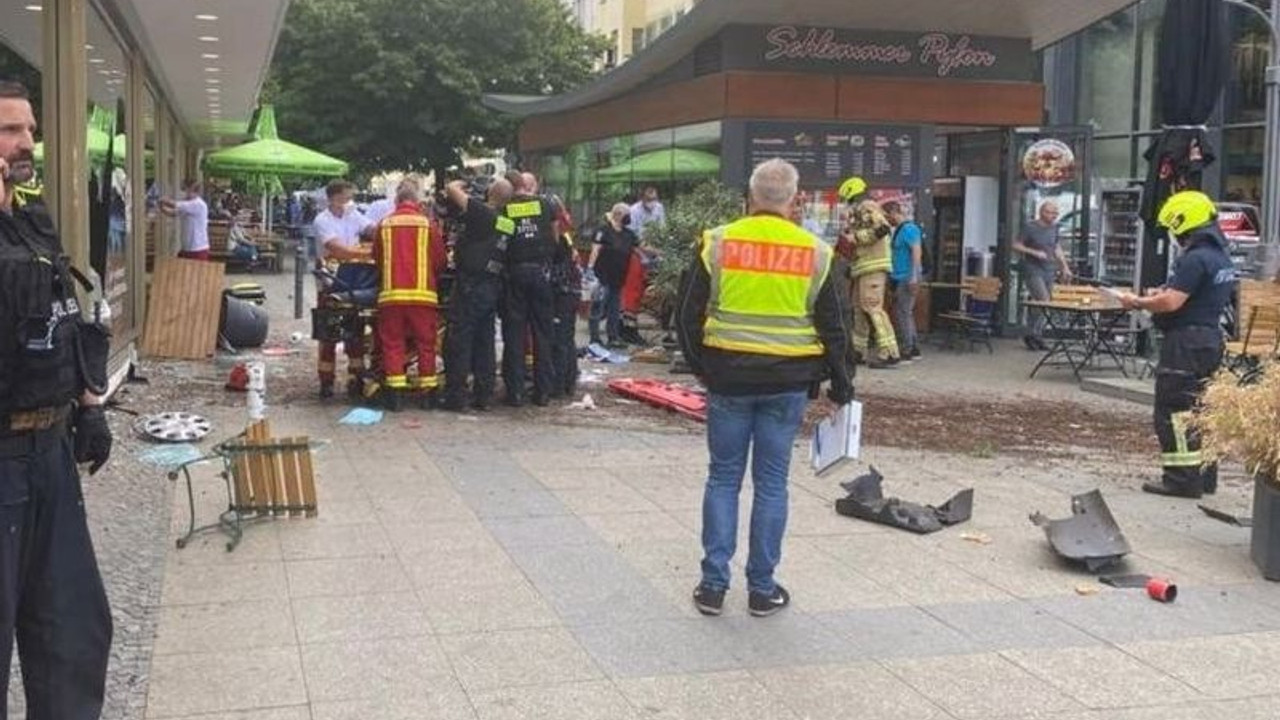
(193, 221)
(378, 210)
(339, 229)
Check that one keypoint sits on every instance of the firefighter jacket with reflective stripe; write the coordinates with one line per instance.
(870, 234)
(766, 273)
(410, 254)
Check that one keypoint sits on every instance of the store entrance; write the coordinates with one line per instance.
(989, 185)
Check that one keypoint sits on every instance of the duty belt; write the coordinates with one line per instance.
(34, 420)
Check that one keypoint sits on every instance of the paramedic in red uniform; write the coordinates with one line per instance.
(410, 253)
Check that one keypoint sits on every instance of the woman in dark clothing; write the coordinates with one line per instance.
(611, 250)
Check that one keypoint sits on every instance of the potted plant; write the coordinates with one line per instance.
(1242, 422)
(675, 242)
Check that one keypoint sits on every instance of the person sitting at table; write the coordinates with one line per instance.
(1042, 259)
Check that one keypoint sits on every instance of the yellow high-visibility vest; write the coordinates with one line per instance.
(766, 273)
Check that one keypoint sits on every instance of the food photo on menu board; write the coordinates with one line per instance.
(826, 152)
(1049, 163)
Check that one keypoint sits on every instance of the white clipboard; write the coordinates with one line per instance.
(837, 440)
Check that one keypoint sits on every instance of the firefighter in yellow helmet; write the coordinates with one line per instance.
(866, 239)
(1188, 310)
(761, 322)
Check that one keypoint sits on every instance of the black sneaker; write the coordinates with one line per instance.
(915, 354)
(761, 605)
(708, 601)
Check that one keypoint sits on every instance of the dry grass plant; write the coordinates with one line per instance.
(1242, 422)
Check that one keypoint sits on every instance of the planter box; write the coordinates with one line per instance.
(1265, 543)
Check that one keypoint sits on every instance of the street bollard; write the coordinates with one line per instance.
(299, 265)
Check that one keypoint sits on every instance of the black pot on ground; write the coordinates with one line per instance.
(1265, 543)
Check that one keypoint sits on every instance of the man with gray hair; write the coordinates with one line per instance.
(762, 322)
(1042, 259)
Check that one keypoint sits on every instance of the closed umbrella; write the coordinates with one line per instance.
(1192, 68)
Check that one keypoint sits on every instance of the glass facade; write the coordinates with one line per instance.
(1114, 89)
(592, 176)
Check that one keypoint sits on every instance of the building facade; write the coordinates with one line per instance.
(629, 25)
(168, 77)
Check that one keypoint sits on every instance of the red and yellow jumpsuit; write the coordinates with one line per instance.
(410, 253)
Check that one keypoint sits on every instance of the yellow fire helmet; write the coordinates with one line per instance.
(852, 188)
(1187, 211)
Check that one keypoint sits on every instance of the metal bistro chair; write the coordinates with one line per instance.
(265, 478)
(1259, 342)
(976, 322)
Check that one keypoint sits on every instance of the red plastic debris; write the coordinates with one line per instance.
(670, 396)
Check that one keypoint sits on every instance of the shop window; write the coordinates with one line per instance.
(1242, 165)
(1113, 161)
(1245, 99)
(109, 190)
(1107, 63)
(637, 40)
(1150, 15)
(21, 55)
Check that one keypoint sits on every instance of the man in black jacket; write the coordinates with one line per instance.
(762, 320)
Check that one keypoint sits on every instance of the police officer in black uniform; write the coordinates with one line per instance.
(566, 288)
(52, 382)
(479, 256)
(1189, 312)
(528, 305)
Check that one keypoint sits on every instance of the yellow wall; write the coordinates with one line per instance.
(625, 19)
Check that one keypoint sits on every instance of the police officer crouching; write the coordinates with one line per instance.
(479, 256)
(1188, 310)
(52, 382)
(527, 301)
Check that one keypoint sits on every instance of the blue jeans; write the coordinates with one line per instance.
(609, 309)
(767, 426)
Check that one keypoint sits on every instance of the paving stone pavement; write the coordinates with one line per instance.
(503, 566)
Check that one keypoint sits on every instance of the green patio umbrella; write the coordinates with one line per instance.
(660, 165)
(269, 155)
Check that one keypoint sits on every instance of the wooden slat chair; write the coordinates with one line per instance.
(975, 323)
(1259, 343)
(266, 477)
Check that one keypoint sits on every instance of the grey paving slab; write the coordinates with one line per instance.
(821, 583)
(851, 690)
(899, 632)
(489, 661)
(523, 534)
(349, 511)
(346, 577)
(198, 585)
(364, 617)
(1262, 708)
(485, 604)
(608, 497)
(658, 647)
(260, 545)
(717, 696)
(442, 699)
(1129, 616)
(786, 639)
(219, 682)
(294, 712)
(909, 567)
(1010, 624)
(596, 700)
(373, 668)
(1103, 677)
(590, 584)
(224, 626)
(661, 558)
(516, 504)
(979, 687)
(442, 506)
(314, 542)
(638, 527)
(1228, 666)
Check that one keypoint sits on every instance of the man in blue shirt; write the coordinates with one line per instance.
(1189, 312)
(904, 278)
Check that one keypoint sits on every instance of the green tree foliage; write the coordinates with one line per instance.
(397, 84)
(706, 206)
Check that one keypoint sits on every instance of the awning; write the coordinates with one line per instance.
(1043, 22)
(271, 156)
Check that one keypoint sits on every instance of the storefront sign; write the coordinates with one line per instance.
(933, 54)
(827, 153)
